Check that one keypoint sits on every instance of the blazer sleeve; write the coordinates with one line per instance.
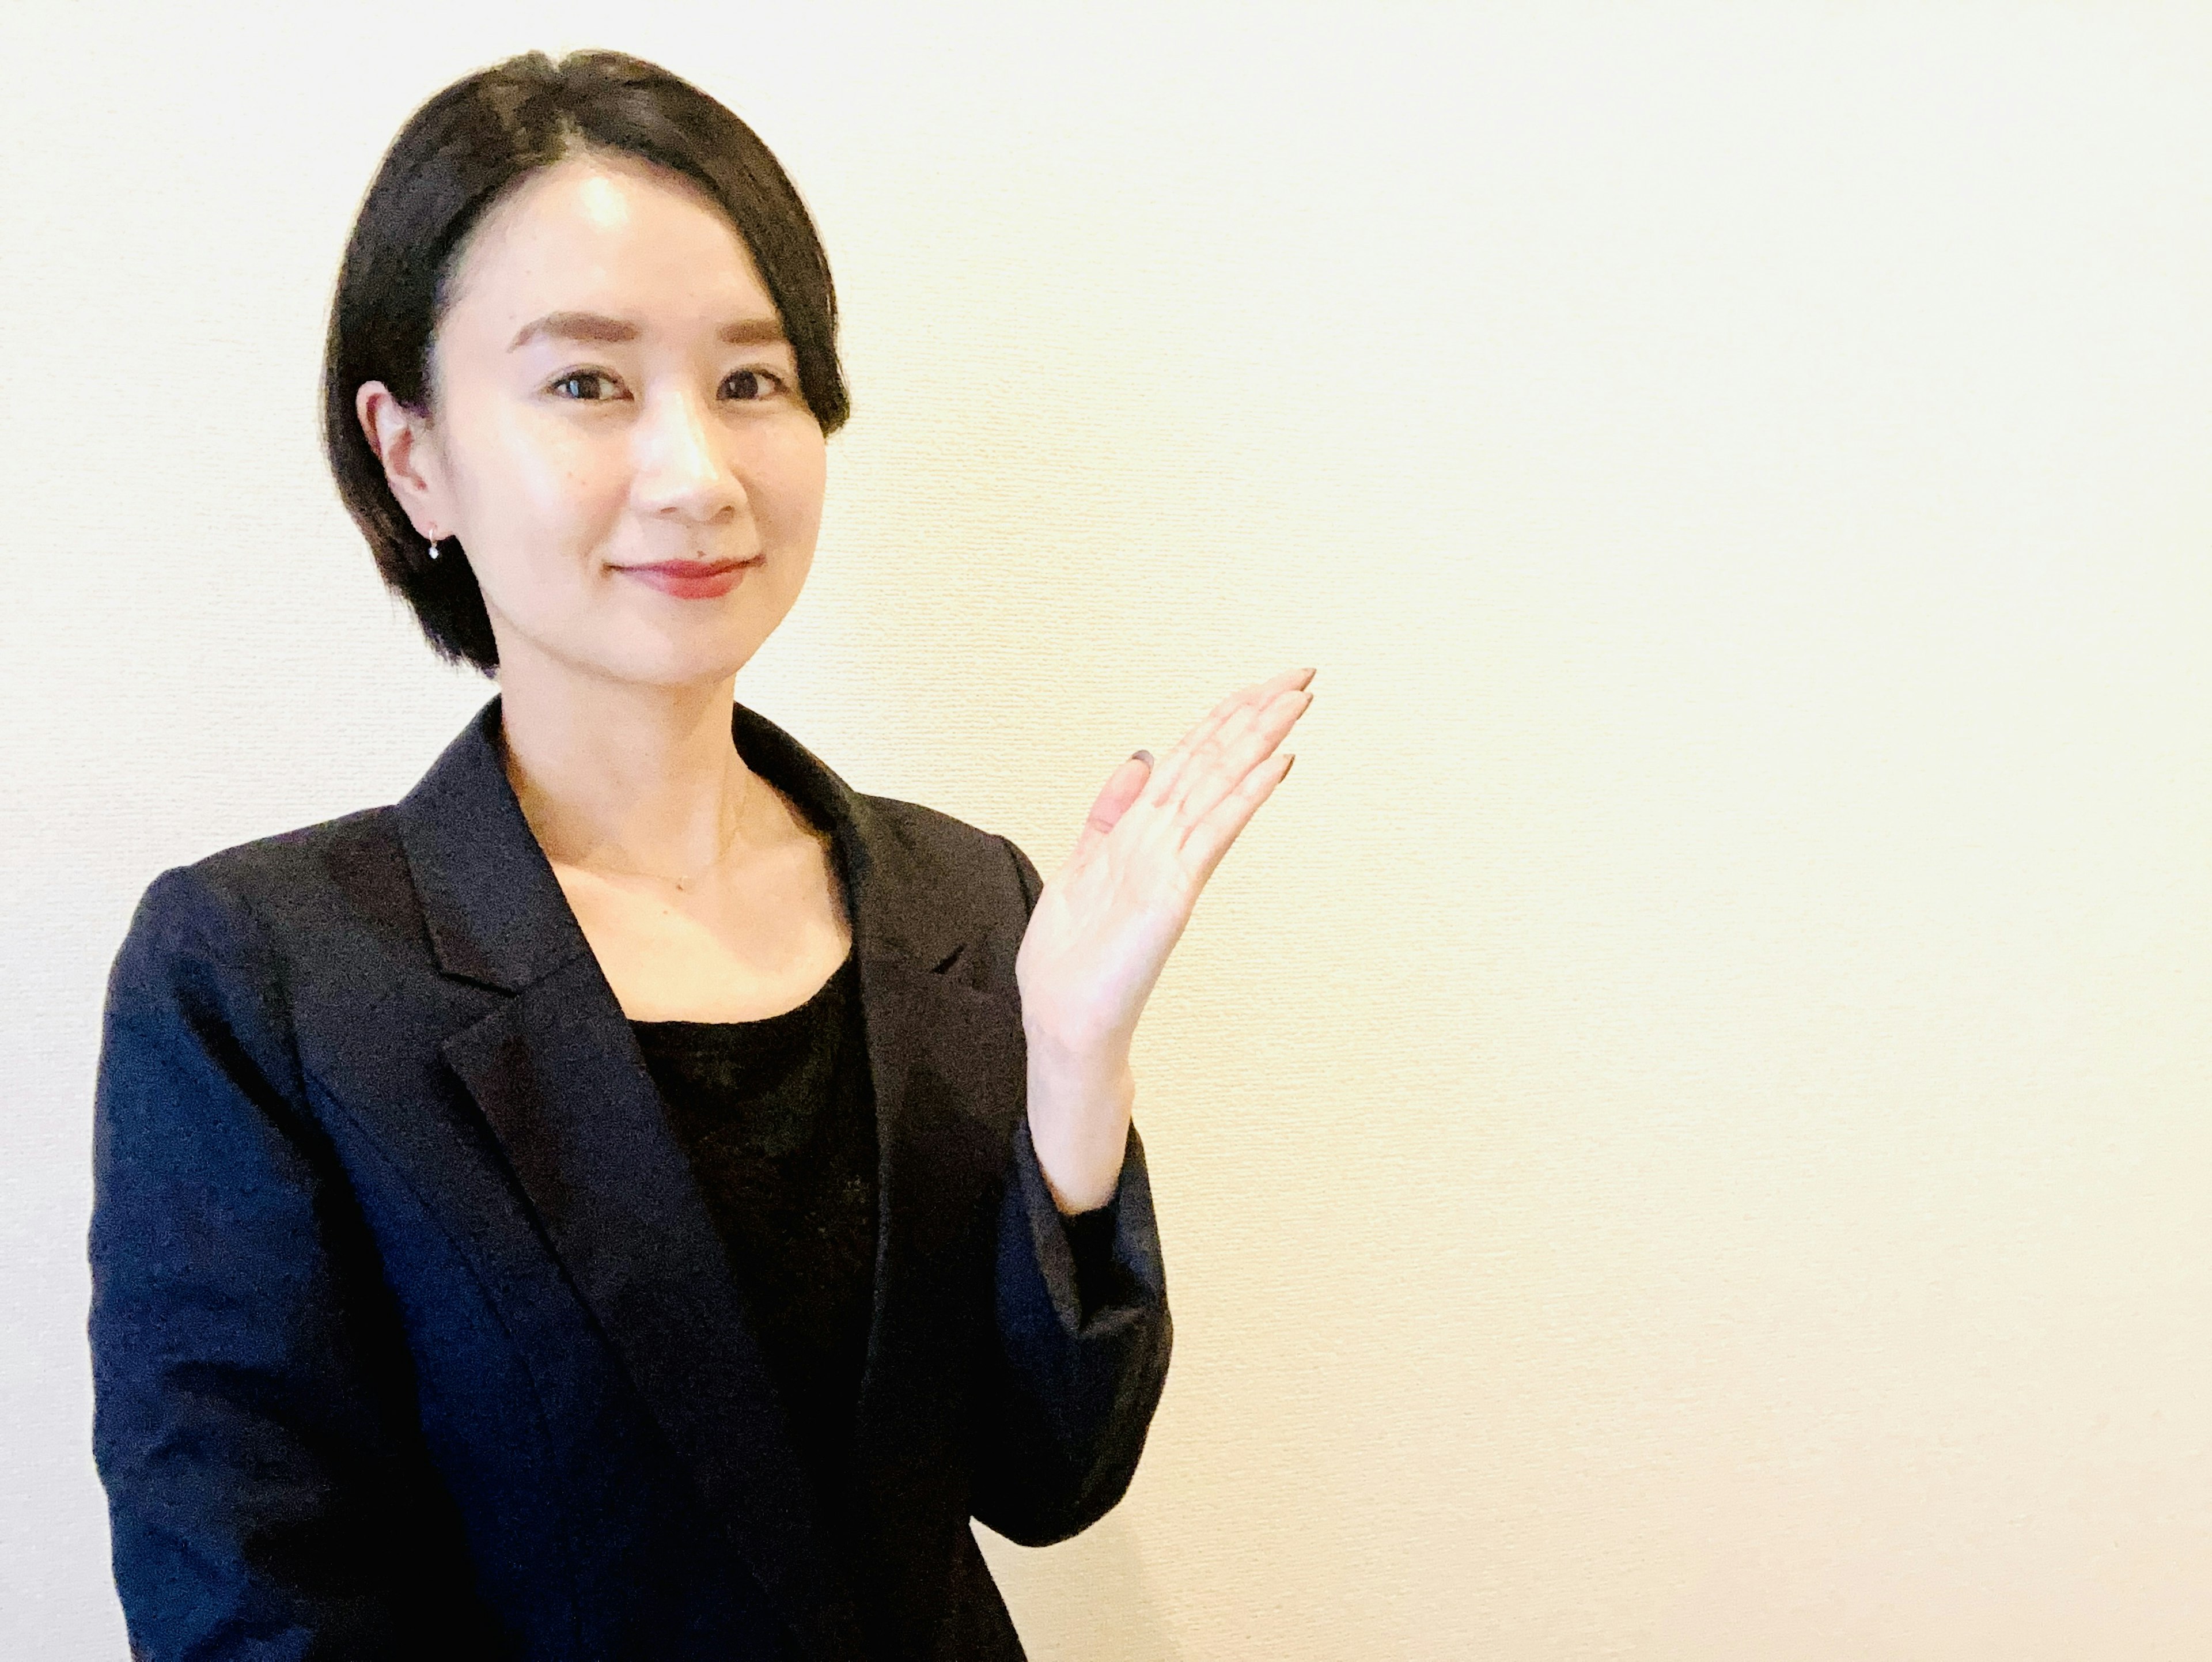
(251, 1429)
(1082, 1339)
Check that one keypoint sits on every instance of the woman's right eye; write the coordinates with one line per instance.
(577, 375)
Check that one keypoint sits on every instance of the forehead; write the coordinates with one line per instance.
(606, 234)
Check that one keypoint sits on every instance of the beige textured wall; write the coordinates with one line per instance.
(1681, 1132)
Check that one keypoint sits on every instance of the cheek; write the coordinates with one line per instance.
(521, 586)
(539, 567)
(795, 480)
(568, 487)
(534, 468)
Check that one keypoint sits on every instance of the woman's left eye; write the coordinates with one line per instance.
(753, 384)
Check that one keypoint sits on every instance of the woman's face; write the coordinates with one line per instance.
(612, 390)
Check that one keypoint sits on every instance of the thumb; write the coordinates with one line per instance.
(1122, 788)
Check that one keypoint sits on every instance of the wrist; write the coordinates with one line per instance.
(1079, 1108)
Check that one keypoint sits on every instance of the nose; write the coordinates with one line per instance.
(683, 467)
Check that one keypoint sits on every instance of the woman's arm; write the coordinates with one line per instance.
(1084, 1336)
(1076, 1387)
(1081, 1362)
(254, 1425)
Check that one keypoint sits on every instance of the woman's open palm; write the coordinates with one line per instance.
(1107, 920)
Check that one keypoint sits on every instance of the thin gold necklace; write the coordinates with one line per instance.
(681, 882)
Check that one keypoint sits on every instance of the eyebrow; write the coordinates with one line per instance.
(597, 326)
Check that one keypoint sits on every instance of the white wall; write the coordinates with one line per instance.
(1681, 1130)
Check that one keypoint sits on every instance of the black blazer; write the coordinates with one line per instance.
(412, 1334)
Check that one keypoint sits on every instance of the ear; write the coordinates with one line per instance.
(412, 465)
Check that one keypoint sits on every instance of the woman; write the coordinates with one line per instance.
(635, 1196)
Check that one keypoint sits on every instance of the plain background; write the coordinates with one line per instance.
(1681, 1130)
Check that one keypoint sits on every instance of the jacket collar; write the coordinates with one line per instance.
(555, 1070)
(495, 911)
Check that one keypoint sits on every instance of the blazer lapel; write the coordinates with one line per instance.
(556, 1072)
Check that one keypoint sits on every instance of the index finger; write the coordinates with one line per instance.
(1163, 778)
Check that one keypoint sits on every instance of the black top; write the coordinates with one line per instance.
(778, 1121)
(777, 1118)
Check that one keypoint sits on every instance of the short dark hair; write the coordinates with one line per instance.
(463, 150)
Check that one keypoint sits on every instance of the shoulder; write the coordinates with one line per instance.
(963, 857)
(248, 909)
(275, 877)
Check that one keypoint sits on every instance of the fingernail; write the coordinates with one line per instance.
(1145, 755)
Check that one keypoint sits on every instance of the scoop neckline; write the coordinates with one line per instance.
(680, 1028)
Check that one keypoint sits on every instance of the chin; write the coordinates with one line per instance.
(676, 663)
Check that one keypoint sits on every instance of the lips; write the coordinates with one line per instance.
(691, 580)
(693, 568)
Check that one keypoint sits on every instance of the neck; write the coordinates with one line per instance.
(619, 774)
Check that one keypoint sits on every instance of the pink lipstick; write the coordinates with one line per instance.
(692, 580)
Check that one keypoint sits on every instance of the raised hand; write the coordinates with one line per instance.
(1105, 923)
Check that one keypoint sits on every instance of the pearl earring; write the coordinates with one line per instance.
(434, 548)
